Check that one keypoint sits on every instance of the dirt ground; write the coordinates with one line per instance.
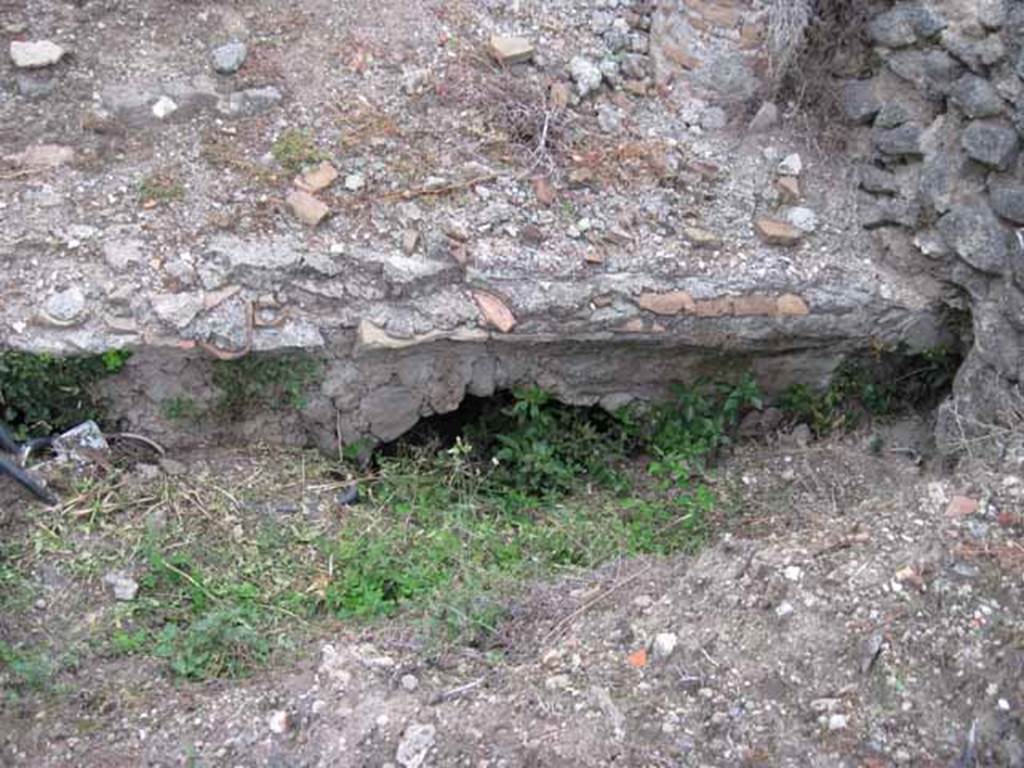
(851, 610)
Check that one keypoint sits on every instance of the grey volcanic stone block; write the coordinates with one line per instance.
(228, 58)
(904, 25)
(931, 70)
(876, 180)
(1007, 200)
(977, 237)
(991, 143)
(905, 140)
(976, 97)
(860, 101)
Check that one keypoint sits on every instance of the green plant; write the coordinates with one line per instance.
(43, 394)
(295, 149)
(882, 383)
(541, 447)
(181, 408)
(279, 380)
(125, 643)
(160, 188)
(203, 627)
(224, 642)
(114, 360)
(24, 670)
(446, 533)
(452, 530)
(15, 593)
(688, 432)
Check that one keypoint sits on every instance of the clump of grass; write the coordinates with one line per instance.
(294, 149)
(160, 188)
(212, 610)
(15, 593)
(879, 384)
(181, 408)
(27, 669)
(537, 487)
(446, 533)
(280, 380)
(449, 539)
(42, 394)
(276, 381)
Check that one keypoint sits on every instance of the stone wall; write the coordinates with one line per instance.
(711, 53)
(938, 126)
(687, 239)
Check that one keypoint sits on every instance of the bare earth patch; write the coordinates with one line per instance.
(846, 614)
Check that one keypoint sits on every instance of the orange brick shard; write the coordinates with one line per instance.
(670, 303)
(495, 312)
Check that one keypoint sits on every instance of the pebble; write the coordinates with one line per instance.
(355, 182)
(35, 54)
(784, 609)
(609, 118)
(250, 101)
(791, 165)
(789, 188)
(664, 644)
(511, 50)
(278, 721)
(122, 585)
(228, 58)
(775, 232)
(177, 309)
(586, 74)
(495, 312)
(793, 573)
(306, 208)
(837, 722)
(410, 683)
(802, 218)
(767, 116)
(416, 743)
(66, 307)
(410, 239)
(164, 107)
(318, 178)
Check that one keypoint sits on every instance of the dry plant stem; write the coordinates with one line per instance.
(410, 194)
(455, 693)
(564, 623)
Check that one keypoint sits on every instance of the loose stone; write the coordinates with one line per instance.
(35, 54)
